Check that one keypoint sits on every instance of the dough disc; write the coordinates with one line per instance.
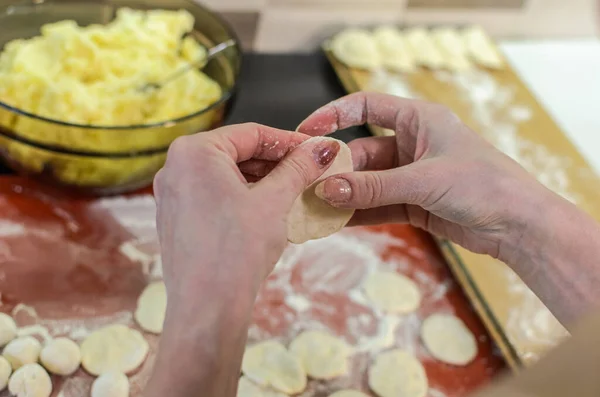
(31, 380)
(348, 393)
(8, 329)
(61, 356)
(111, 384)
(322, 355)
(5, 371)
(151, 307)
(448, 339)
(312, 218)
(115, 348)
(21, 351)
(246, 388)
(397, 373)
(392, 292)
(269, 364)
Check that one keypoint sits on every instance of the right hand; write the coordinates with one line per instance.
(435, 174)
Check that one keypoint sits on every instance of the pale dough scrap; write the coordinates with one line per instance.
(61, 356)
(452, 47)
(392, 292)
(270, 364)
(481, 48)
(111, 384)
(5, 371)
(397, 373)
(115, 348)
(356, 48)
(425, 49)
(31, 380)
(21, 351)
(396, 54)
(348, 393)
(247, 388)
(152, 307)
(8, 329)
(312, 218)
(322, 355)
(448, 339)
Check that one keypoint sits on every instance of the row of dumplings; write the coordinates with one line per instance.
(405, 50)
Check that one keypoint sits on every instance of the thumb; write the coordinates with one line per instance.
(299, 169)
(411, 184)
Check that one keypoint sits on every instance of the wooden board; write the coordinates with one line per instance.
(74, 265)
(498, 104)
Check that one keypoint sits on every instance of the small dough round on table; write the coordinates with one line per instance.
(5, 371)
(356, 48)
(247, 388)
(448, 339)
(397, 373)
(152, 307)
(392, 292)
(270, 364)
(312, 218)
(8, 329)
(21, 351)
(348, 393)
(61, 356)
(115, 348)
(322, 355)
(31, 380)
(111, 384)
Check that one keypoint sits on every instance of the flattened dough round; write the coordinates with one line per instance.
(8, 329)
(21, 351)
(270, 364)
(356, 48)
(322, 355)
(31, 380)
(348, 393)
(448, 339)
(392, 292)
(397, 373)
(61, 356)
(5, 371)
(111, 384)
(312, 218)
(151, 307)
(115, 348)
(247, 388)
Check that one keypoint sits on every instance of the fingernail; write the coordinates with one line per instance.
(325, 152)
(334, 190)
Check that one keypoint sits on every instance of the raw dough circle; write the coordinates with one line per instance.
(151, 307)
(448, 339)
(397, 373)
(269, 364)
(312, 218)
(111, 384)
(5, 371)
(31, 380)
(322, 355)
(21, 351)
(61, 356)
(348, 393)
(247, 388)
(115, 348)
(392, 292)
(8, 329)
(356, 48)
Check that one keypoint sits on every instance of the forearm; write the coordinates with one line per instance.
(558, 257)
(202, 345)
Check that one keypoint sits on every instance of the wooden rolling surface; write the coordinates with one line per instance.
(489, 283)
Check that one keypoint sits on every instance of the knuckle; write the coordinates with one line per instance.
(373, 189)
(179, 148)
(300, 169)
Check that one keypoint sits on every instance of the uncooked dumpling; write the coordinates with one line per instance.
(356, 48)
(397, 373)
(425, 49)
(31, 380)
(247, 388)
(61, 356)
(396, 54)
(270, 364)
(312, 218)
(392, 292)
(481, 48)
(448, 339)
(21, 351)
(348, 393)
(115, 348)
(111, 384)
(151, 307)
(322, 355)
(8, 329)
(452, 46)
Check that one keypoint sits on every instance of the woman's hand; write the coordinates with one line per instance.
(220, 237)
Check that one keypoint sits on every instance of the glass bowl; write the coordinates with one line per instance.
(97, 159)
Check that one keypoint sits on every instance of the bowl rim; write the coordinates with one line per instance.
(225, 96)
